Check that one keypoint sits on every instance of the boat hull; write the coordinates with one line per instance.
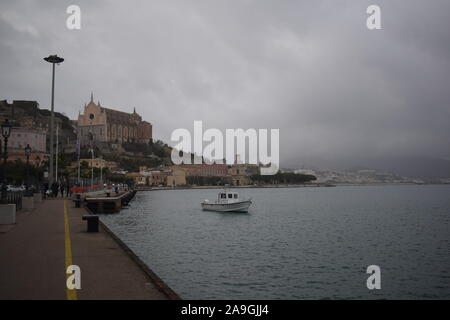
(241, 206)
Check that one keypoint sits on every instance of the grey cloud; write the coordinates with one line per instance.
(310, 68)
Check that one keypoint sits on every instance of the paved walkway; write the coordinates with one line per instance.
(35, 251)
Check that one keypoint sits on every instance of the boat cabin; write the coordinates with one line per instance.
(228, 196)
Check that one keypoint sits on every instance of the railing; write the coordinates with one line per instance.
(97, 188)
(15, 197)
(93, 188)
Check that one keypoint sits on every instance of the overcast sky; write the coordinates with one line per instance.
(310, 68)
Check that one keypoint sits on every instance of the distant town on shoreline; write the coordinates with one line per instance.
(115, 146)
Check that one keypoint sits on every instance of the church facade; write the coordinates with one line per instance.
(102, 124)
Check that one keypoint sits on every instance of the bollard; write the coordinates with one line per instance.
(77, 200)
(92, 223)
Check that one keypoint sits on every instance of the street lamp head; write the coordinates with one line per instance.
(54, 59)
(6, 128)
(27, 150)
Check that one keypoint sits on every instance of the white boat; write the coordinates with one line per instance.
(227, 202)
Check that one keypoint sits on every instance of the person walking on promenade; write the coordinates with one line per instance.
(67, 189)
(55, 188)
(62, 187)
(45, 189)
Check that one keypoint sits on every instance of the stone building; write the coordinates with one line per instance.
(21, 137)
(177, 177)
(31, 125)
(241, 173)
(139, 179)
(107, 125)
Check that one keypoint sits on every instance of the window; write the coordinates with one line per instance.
(235, 195)
(223, 196)
(230, 196)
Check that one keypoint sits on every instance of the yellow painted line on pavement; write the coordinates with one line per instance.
(71, 293)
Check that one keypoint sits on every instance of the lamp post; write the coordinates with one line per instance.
(53, 60)
(101, 170)
(6, 132)
(91, 137)
(27, 181)
(57, 152)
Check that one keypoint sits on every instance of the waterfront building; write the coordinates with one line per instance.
(139, 179)
(96, 163)
(153, 177)
(204, 170)
(240, 173)
(176, 177)
(214, 170)
(101, 124)
(189, 169)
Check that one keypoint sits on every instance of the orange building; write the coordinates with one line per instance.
(36, 158)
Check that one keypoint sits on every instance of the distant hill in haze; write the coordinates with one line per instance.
(415, 167)
(426, 168)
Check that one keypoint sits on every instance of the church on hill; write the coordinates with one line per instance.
(107, 125)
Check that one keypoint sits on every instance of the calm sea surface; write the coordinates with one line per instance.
(295, 243)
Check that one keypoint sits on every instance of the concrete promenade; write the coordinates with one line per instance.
(35, 251)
